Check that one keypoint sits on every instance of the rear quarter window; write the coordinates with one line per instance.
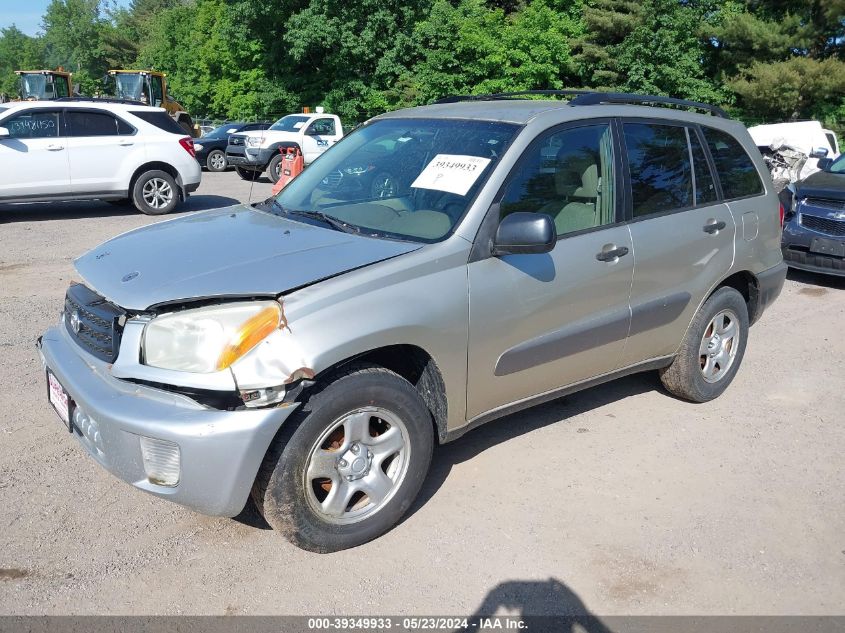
(161, 120)
(736, 171)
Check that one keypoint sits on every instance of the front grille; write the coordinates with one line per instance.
(236, 140)
(828, 226)
(93, 322)
(825, 203)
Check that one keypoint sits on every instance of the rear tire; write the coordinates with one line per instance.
(216, 161)
(248, 174)
(155, 193)
(712, 349)
(345, 468)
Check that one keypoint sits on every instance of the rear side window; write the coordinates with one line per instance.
(95, 124)
(161, 120)
(736, 171)
(659, 164)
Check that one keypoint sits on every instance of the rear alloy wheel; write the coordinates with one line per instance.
(712, 349)
(155, 193)
(216, 161)
(346, 467)
(248, 174)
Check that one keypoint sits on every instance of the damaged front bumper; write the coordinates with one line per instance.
(219, 452)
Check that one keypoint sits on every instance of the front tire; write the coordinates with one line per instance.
(216, 161)
(248, 174)
(155, 193)
(274, 168)
(712, 349)
(350, 465)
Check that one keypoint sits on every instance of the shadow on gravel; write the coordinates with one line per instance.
(816, 279)
(498, 431)
(42, 211)
(538, 598)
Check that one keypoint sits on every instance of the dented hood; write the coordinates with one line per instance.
(234, 251)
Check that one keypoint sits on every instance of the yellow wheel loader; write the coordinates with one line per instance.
(150, 87)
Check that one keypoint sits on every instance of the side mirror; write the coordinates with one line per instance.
(4, 132)
(524, 233)
(818, 152)
(825, 163)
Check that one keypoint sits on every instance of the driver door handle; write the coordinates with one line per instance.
(714, 227)
(611, 253)
(55, 147)
(126, 143)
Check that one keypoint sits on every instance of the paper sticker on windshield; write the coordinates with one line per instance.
(231, 130)
(451, 172)
(298, 125)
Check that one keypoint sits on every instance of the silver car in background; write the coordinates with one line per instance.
(312, 350)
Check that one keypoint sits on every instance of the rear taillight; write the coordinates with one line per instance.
(188, 144)
(782, 214)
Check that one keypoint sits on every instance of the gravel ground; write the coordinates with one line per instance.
(617, 500)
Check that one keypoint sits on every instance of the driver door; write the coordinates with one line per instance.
(319, 136)
(541, 322)
(34, 155)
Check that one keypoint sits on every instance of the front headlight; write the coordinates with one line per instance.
(197, 147)
(253, 141)
(206, 340)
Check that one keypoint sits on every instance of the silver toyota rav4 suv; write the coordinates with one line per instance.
(311, 350)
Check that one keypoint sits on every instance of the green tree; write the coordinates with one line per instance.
(72, 30)
(663, 54)
(18, 51)
(607, 23)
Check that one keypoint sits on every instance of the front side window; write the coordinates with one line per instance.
(659, 166)
(569, 176)
(400, 178)
(157, 91)
(837, 166)
(322, 127)
(737, 174)
(91, 124)
(33, 124)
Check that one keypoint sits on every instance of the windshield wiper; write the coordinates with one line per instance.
(332, 221)
(274, 206)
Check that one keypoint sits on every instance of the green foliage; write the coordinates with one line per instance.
(18, 51)
(764, 59)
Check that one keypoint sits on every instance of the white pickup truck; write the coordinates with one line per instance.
(251, 153)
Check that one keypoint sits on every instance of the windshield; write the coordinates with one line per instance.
(35, 87)
(223, 131)
(129, 87)
(402, 178)
(838, 166)
(289, 123)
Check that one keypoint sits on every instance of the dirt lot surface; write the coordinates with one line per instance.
(617, 500)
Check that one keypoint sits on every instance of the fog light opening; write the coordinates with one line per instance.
(161, 461)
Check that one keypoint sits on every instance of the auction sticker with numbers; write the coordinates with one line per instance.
(451, 172)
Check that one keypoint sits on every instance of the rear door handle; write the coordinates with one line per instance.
(611, 252)
(126, 143)
(713, 226)
(53, 147)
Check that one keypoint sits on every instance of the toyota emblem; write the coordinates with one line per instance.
(74, 321)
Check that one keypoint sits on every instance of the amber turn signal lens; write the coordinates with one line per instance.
(249, 334)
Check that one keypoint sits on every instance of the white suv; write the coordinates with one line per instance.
(87, 148)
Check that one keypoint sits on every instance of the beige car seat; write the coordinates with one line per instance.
(577, 182)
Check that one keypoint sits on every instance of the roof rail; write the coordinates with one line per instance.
(593, 97)
(103, 100)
